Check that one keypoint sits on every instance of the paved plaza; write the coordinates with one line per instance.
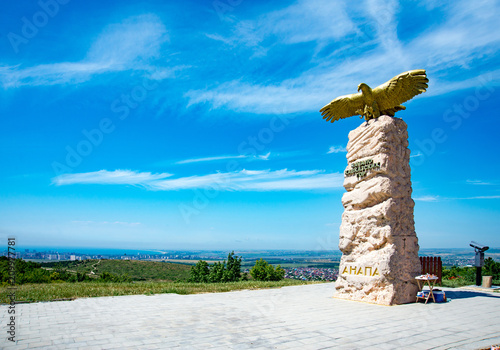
(298, 317)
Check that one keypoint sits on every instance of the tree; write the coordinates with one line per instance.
(221, 271)
(232, 272)
(263, 271)
(199, 272)
(279, 273)
(217, 272)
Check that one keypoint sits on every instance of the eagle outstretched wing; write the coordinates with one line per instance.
(401, 88)
(343, 107)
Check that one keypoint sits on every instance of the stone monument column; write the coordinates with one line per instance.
(377, 236)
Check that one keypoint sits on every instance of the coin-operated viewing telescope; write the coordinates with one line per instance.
(479, 261)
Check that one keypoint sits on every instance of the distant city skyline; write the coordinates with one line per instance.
(196, 126)
(449, 257)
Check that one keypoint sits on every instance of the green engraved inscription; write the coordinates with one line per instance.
(361, 168)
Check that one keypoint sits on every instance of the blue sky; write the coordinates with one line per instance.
(195, 124)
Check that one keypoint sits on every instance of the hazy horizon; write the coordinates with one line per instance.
(76, 249)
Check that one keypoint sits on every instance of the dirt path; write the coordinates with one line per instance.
(94, 267)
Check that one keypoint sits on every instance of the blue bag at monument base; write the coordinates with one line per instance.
(438, 295)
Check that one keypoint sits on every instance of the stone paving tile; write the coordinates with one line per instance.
(299, 317)
(50, 347)
(11, 345)
(37, 344)
(75, 345)
(152, 346)
(111, 346)
(473, 345)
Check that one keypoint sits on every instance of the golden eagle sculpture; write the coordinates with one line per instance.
(385, 99)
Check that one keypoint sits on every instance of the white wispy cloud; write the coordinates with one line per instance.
(383, 14)
(298, 23)
(210, 159)
(336, 149)
(438, 198)
(244, 180)
(162, 73)
(264, 156)
(418, 154)
(105, 177)
(464, 35)
(288, 23)
(332, 224)
(479, 197)
(136, 39)
(130, 44)
(426, 198)
(90, 222)
(478, 182)
(228, 157)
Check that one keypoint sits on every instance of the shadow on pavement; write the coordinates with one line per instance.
(463, 294)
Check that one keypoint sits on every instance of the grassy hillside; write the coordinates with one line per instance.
(137, 270)
(55, 291)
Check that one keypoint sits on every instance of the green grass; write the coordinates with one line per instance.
(54, 291)
(461, 282)
(455, 283)
(137, 270)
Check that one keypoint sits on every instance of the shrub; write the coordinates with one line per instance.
(263, 271)
(80, 277)
(37, 275)
(491, 268)
(202, 272)
(465, 274)
(111, 277)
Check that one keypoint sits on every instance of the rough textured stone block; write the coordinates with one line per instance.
(377, 236)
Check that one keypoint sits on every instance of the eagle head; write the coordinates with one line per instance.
(363, 87)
